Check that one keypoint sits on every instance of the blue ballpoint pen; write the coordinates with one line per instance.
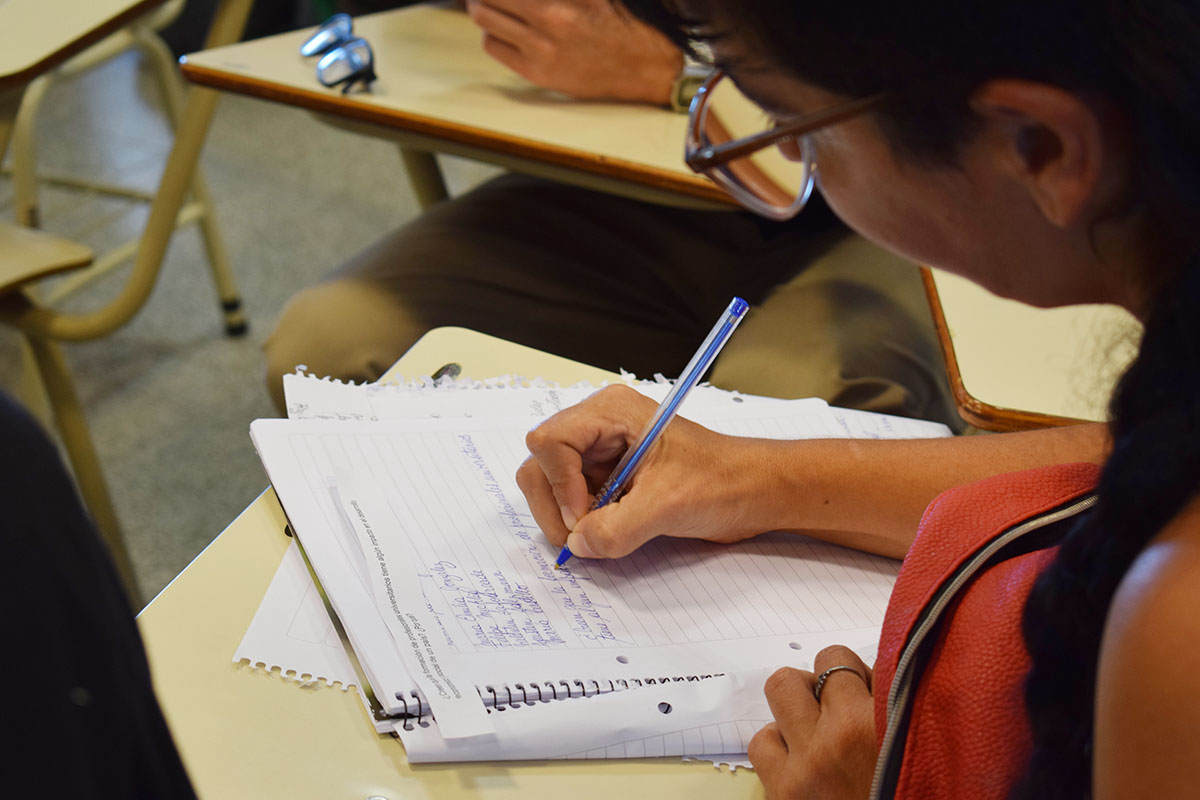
(615, 486)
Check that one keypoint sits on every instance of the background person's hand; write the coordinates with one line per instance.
(818, 750)
(589, 49)
(694, 483)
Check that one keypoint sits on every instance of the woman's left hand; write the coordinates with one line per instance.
(818, 750)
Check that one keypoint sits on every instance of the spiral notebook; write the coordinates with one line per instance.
(479, 649)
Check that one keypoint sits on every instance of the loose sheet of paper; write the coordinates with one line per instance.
(291, 630)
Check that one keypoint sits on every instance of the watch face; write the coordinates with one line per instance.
(688, 88)
(686, 85)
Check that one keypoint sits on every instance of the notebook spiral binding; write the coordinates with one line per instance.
(502, 698)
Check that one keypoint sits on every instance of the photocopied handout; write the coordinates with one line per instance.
(697, 718)
(501, 616)
(411, 621)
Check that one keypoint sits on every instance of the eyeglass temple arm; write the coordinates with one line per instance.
(711, 156)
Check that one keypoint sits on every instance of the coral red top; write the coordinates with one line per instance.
(949, 708)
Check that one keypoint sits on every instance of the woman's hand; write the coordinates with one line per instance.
(818, 750)
(694, 483)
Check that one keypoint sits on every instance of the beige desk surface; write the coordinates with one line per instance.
(39, 34)
(1014, 367)
(435, 81)
(246, 734)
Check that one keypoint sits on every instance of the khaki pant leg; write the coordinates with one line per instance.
(589, 276)
(853, 328)
(348, 329)
(627, 285)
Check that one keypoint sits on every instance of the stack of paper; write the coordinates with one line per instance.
(404, 500)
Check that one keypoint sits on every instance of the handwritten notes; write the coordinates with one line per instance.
(485, 570)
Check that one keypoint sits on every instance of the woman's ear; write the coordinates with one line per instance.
(1050, 140)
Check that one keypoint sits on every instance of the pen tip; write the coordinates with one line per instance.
(558, 566)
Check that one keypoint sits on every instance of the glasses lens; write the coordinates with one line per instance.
(351, 60)
(332, 32)
(774, 181)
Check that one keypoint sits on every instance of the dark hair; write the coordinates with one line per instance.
(1139, 55)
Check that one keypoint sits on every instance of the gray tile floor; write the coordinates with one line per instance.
(169, 398)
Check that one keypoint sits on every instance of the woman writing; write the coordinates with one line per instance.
(1042, 640)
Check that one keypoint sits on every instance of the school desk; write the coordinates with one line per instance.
(438, 92)
(1015, 367)
(244, 733)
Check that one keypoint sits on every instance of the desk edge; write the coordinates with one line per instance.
(336, 105)
(973, 410)
(51, 61)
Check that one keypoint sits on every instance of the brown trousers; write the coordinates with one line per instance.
(621, 284)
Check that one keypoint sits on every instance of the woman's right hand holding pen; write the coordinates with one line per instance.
(695, 483)
(700, 484)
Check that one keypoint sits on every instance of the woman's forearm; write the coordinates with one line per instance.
(870, 494)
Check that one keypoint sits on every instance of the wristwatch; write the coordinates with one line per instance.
(689, 80)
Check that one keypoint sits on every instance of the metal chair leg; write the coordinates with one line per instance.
(24, 161)
(77, 440)
(170, 85)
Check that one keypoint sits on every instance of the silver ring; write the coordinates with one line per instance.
(824, 676)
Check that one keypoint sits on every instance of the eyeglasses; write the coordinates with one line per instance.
(734, 142)
(345, 58)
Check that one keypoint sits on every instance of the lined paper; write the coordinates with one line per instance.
(674, 607)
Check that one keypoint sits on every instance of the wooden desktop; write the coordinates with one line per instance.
(35, 46)
(437, 91)
(1014, 367)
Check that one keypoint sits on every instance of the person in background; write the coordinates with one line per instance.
(1042, 639)
(80, 717)
(619, 283)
